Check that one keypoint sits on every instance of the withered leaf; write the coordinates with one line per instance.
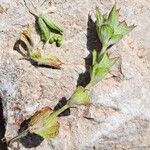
(50, 60)
(44, 123)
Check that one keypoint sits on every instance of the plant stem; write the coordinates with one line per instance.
(104, 48)
(59, 111)
(31, 12)
(22, 134)
(89, 86)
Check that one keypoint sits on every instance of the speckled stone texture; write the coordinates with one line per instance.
(120, 110)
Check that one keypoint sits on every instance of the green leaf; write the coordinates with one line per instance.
(105, 33)
(115, 38)
(45, 33)
(53, 26)
(99, 18)
(107, 62)
(79, 97)
(44, 123)
(99, 71)
(113, 17)
(123, 28)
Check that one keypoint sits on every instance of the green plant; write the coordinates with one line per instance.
(48, 27)
(34, 55)
(110, 30)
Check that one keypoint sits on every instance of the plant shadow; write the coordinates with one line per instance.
(60, 104)
(19, 43)
(92, 43)
(31, 139)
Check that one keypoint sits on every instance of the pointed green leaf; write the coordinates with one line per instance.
(99, 18)
(79, 97)
(44, 123)
(53, 26)
(102, 69)
(100, 73)
(105, 33)
(115, 38)
(107, 62)
(113, 17)
(123, 28)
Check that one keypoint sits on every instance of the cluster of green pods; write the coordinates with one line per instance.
(50, 31)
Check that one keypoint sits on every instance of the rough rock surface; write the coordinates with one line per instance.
(120, 114)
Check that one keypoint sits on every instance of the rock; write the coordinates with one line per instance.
(119, 116)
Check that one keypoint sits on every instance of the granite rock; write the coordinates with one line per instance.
(119, 117)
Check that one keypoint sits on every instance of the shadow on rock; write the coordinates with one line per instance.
(22, 49)
(19, 43)
(92, 43)
(31, 139)
(60, 104)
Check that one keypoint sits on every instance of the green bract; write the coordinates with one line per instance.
(99, 18)
(47, 27)
(105, 33)
(101, 67)
(110, 30)
(44, 123)
(79, 97)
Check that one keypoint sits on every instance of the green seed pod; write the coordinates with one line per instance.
(59, 41)
(50, 23)
(45, 34)
(58, 44)
(55, 38)
(51, 39)
(59, 38)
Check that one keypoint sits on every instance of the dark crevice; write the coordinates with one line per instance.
(92, 43)
(3, 146)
